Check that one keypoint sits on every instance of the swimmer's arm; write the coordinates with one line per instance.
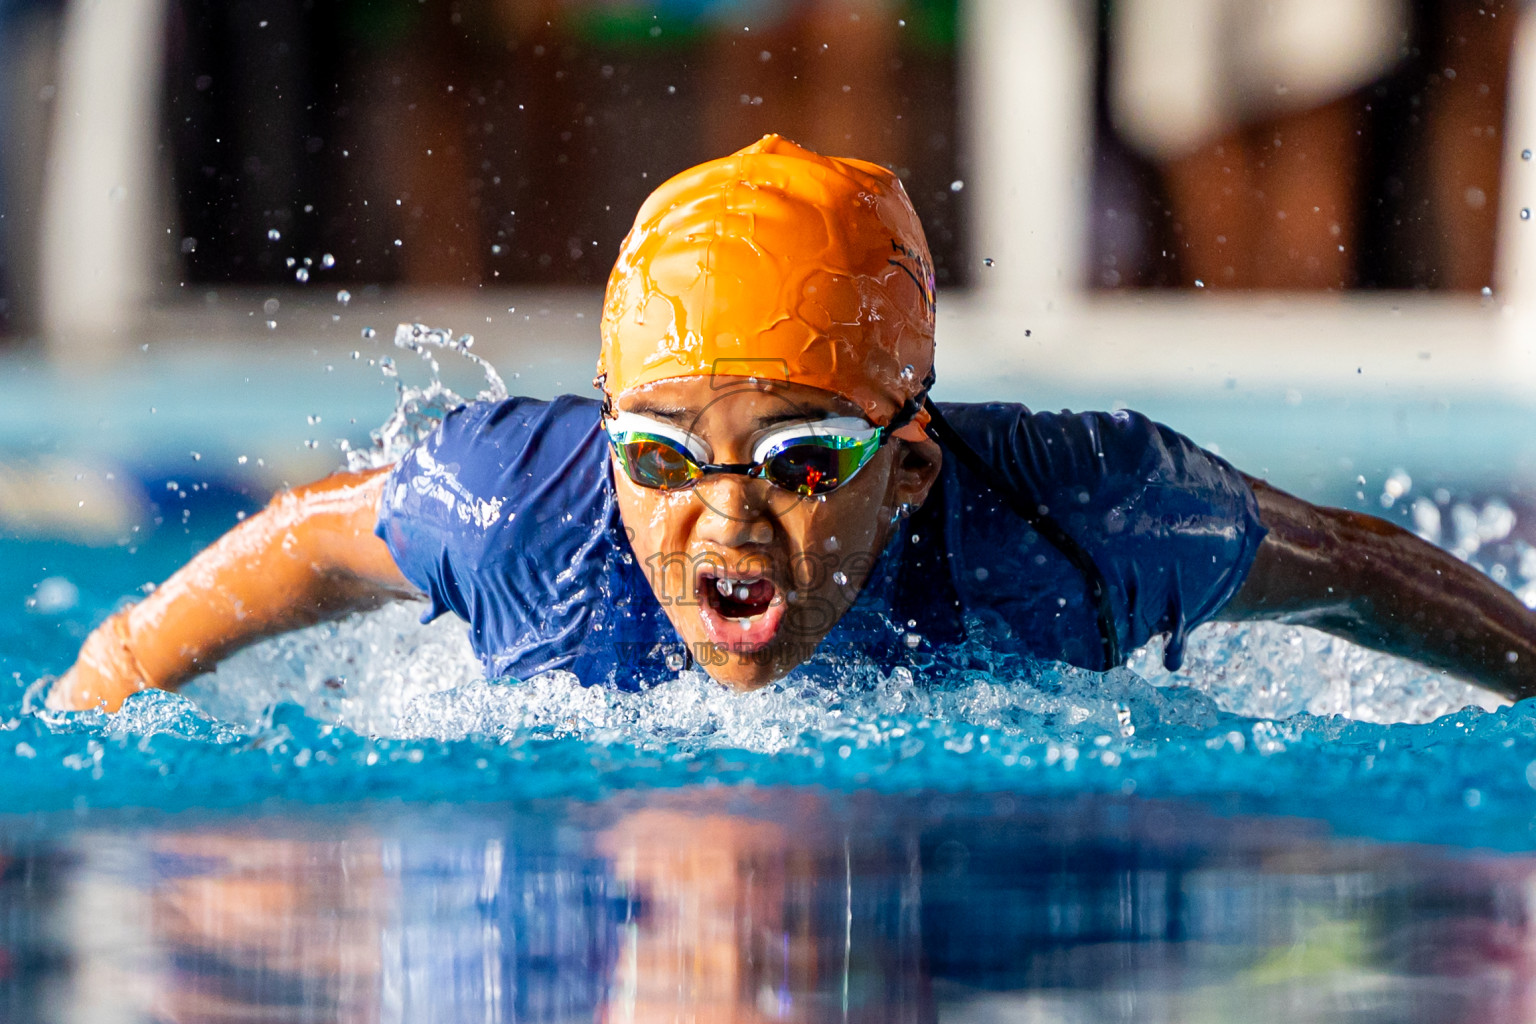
(310, 555)
(1371, 582)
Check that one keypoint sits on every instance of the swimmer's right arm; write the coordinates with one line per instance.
(309, 556)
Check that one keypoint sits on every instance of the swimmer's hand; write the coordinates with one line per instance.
(1376, 584)
(309, 556)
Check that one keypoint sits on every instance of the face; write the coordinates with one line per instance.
(753, 575)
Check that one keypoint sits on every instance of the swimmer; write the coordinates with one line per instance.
(764, 481)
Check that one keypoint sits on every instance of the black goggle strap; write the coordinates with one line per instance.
(909, 409)
(1028, 507)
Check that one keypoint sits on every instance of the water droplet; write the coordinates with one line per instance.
(301, 275)
(327, 261)
(273, 235)
(196, 456)
(343, 296)
(1525, 154)
(1199, 283)
(840, 578)
(242, 460)
(913, 639)
(189, 245)
(956, 185)
(988, 261)
(1525, 213)
(1487, 291)
(675, 662)
(387, 365)
(271, 325)
(311, 443)
(398, 242)
(495, 250)
(369, 332)
(290, 262)
(313, 419)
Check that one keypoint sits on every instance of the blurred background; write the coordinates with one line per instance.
(158, 153)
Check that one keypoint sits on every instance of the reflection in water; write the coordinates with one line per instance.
(713, 905)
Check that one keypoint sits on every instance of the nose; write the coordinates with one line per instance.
(735, 512)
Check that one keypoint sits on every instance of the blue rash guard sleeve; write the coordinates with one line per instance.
(1173, 528)
(504, 516)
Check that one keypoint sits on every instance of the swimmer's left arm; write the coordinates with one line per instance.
(1376, 584)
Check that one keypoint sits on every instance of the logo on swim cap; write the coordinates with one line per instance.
(806, 268)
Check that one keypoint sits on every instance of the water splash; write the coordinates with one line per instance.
(418, 410)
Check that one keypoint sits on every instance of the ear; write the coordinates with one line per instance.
(917, 467)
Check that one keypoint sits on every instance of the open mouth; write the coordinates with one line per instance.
(741, 613)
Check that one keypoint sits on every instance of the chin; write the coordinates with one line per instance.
(745, 676)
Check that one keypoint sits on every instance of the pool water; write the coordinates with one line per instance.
(350, 823)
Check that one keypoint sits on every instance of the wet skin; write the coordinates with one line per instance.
(803, 560)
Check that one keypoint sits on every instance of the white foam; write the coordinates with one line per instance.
(362, 671)
(1269, 670)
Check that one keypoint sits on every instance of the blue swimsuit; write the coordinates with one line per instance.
(506, 517)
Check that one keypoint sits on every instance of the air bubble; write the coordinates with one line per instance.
(343, 296)
(273, 235)
(840, 578)
(1525, 213)
(301, 275)
(327, 261)
(369, 332)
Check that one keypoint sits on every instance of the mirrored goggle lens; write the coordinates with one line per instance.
(656, 462)
(816, 466)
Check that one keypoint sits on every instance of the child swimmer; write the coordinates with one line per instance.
(766, 478)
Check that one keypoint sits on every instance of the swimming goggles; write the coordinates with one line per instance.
(810, 457)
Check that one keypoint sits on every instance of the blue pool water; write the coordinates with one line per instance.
(1284, 809)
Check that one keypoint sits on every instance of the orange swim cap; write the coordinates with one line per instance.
(781, 264)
